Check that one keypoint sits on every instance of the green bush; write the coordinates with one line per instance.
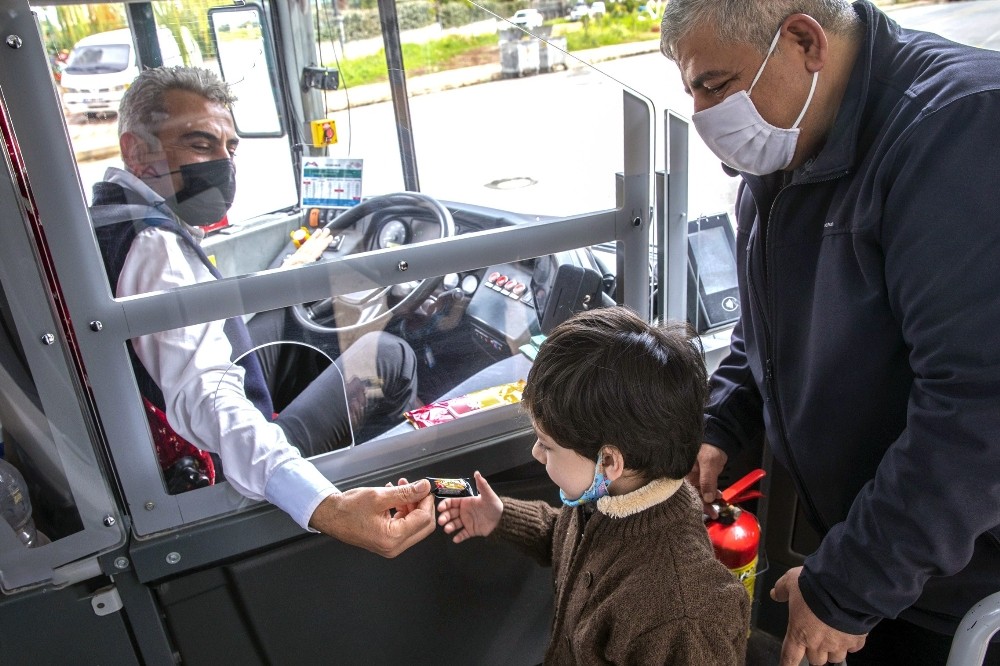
(433, 56)
(415, 14)
(360, 24)
(452, 14)
(439, 54)
(504, 9)
(365, 23)
(605, 32)
(362, 21)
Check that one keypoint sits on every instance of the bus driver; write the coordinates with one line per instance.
(177, 140)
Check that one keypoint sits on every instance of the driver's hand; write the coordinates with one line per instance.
(311, 250)
(385, 521)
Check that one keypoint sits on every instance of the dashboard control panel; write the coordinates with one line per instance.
(502, 312)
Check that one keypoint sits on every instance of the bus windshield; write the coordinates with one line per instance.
(500, 113)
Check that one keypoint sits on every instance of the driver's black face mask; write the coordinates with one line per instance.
(207, 192)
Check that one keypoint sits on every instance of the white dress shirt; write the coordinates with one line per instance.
(203, 391)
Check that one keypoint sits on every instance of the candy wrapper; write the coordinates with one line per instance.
(477, 401)
(444, 488)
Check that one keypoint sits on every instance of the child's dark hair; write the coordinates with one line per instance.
(606, 377)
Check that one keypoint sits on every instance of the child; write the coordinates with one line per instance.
(635, 578)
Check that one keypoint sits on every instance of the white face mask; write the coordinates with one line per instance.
(740, 137)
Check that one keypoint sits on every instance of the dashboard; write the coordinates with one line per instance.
(497, 300)
(399, 230)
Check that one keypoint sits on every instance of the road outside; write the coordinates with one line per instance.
(545, 144)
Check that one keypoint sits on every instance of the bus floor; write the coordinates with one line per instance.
(763, 649)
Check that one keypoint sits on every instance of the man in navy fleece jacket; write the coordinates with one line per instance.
(869, 245)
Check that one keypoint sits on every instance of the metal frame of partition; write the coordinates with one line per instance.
(671, 220)
(26, 209)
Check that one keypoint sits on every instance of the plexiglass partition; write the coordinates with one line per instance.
(57, 504)
(539, 147)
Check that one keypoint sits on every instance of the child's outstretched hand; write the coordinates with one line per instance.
(471, 516)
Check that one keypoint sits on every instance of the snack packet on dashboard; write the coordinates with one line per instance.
(454, 408)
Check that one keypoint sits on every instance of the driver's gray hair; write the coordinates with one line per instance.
(752, 22)
(143, 109)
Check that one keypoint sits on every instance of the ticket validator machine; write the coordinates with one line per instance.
(713, 293)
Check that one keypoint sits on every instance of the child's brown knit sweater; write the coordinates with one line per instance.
(636, 581)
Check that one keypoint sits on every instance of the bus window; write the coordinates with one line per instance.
(526, 119)
(521, 126)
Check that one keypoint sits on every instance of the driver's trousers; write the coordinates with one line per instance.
(322, 406)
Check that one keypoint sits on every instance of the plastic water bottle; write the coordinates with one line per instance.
(15, 505)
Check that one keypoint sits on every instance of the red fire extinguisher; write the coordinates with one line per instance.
(735, 534)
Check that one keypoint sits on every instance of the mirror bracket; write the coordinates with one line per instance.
(320, 78)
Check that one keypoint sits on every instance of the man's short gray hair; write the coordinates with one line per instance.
(143, 109)
(752, 22)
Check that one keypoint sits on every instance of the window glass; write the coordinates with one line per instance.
(364, 354)
(520, 111)
(108, 58)
(55, 499)
(357, 367)
(524, 125)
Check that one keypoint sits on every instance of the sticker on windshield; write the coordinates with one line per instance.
(331, 182)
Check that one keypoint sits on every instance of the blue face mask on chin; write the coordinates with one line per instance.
(598, 489)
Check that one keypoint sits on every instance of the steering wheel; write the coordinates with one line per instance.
(370, 306)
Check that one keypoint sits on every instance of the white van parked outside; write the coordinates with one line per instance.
(101, 67)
